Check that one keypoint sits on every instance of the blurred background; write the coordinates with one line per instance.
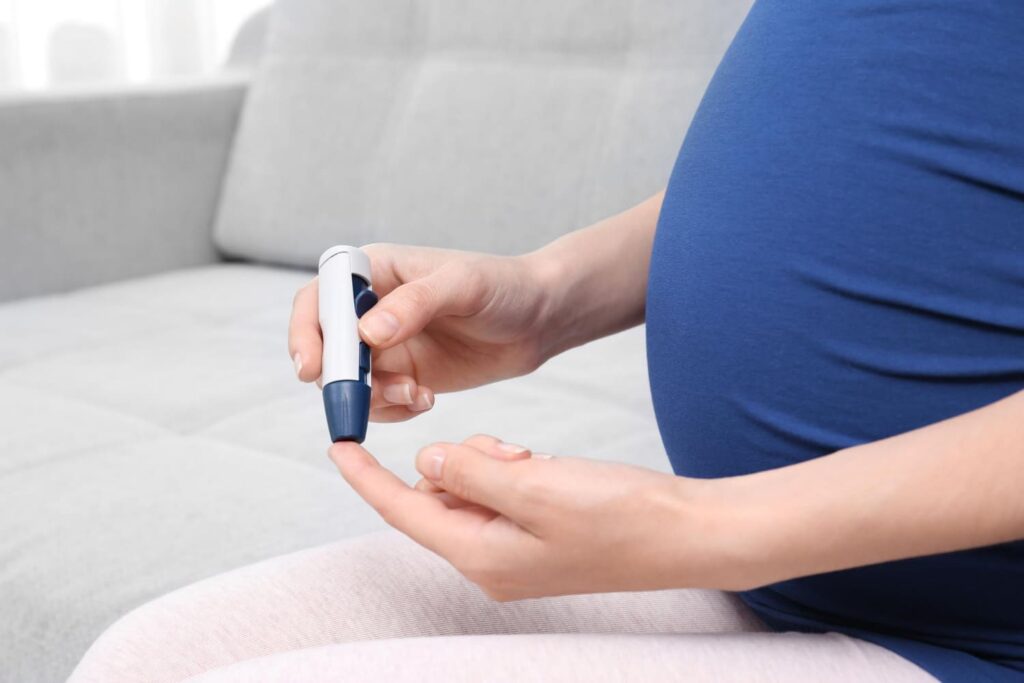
(48, 44)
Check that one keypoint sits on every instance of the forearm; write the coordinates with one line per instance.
(596, 277)
(950, 486)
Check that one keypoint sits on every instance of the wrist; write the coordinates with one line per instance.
(549, 274)
(593, 282)
(726, 536)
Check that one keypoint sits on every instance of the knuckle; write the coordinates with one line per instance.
(382, 255)
(376, 251)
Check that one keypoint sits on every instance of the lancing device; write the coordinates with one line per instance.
(345, 295)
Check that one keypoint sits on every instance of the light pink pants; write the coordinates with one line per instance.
(380, 608)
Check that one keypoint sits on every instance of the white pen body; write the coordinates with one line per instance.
(345, 294)
(338, 322)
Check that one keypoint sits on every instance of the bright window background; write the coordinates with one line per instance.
(50, 43)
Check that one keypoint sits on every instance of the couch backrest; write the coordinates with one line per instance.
(479, 124)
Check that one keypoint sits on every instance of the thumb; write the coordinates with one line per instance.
(407, 309)
(473, 475)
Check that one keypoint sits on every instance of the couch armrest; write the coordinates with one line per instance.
(99, 185)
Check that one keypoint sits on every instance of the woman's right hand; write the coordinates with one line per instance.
(446, 320)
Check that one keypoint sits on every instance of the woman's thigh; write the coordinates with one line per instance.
(687, 658)
(375, 587)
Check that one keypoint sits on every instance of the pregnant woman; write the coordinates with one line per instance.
(833, 286)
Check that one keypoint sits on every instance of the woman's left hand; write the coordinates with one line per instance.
(526, 526)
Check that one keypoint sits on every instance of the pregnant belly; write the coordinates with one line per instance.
(840, 258)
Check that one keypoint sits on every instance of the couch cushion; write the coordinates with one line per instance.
(480, 124)
(153, 434)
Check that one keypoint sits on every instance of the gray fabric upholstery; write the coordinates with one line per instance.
(480, 124)
(153, 434)
(100, 185)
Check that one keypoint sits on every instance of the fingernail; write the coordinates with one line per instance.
(435, 462)
(379, 327)
(400, 394)
(512, 448)
(424, 401)
(297, 362)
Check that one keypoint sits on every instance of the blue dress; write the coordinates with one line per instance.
(840, 258)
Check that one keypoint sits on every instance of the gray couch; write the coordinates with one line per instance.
(151, 240)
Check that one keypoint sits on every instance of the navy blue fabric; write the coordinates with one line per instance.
(840, 258)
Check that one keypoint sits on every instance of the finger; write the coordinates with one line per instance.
(473, 475)
(451, 502)
(305, 344)
(482, 442)
(383, 257)
(391, 414)
(496, 448)
(423, 402)
(491, 445)
(427, 486)
(407, 309)
(398, 359)
(419, 515)
(455, 503)
(393, 389)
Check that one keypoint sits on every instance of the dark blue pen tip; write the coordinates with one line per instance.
(347, 404)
